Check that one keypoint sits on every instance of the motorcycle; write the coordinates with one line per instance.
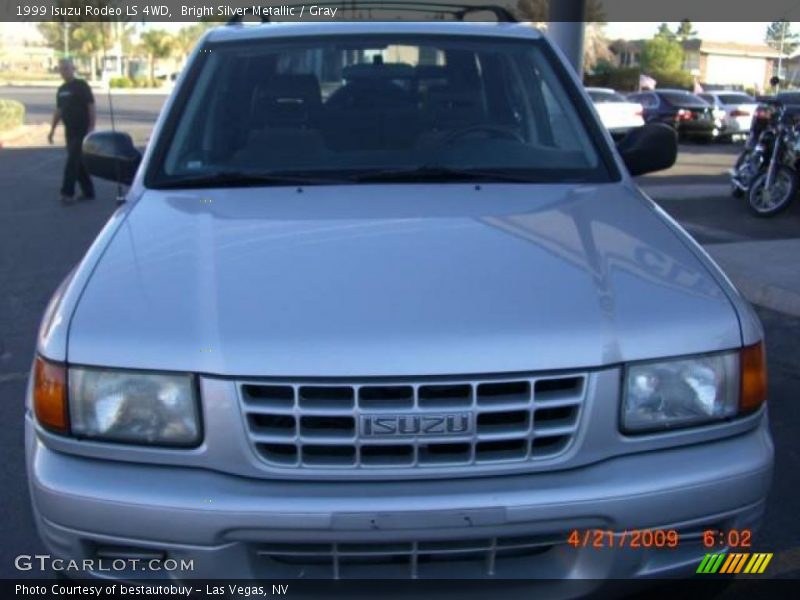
(767, 170)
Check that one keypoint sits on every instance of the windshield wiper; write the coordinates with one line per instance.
(435, 173)
(243, 179)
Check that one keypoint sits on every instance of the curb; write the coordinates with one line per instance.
(96, 87)
(17, 136)
(12, 135)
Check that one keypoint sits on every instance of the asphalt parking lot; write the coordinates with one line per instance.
(40, 242)
(696, 192)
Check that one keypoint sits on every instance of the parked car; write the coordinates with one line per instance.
(790, 99)
(691, 116)
(617, 113)
(425, 327)
(737, 110)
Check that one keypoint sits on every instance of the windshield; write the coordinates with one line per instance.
(601, 97)
(347, 108)
(683, 99)
(736, 99)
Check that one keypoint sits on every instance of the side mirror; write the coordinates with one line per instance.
(652, 147)
(111, 155)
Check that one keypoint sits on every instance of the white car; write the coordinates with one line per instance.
(737, 110)
(618, 114)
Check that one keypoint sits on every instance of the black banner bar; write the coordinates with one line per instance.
(422, 10)
(700, 587)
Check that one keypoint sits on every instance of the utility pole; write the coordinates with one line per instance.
(784, 25)
(566, 28)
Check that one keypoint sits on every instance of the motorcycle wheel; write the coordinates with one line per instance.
(783, 190)
(736, 191)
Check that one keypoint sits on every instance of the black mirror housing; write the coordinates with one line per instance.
(652, 147)
(111, 155)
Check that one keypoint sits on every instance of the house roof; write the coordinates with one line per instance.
(731, 48)
(707, 47)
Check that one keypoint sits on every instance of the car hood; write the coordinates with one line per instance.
(375, 280)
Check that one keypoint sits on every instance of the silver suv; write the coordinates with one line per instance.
(384, 301)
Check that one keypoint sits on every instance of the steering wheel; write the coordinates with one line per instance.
(491, 131)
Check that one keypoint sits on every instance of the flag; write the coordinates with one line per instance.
(646, 83)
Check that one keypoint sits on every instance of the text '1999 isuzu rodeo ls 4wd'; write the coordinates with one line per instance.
(384, 301)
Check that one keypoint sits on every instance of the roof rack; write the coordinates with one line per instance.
(458, 11)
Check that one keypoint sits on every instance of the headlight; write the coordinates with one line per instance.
(677, 393)
(131, 406)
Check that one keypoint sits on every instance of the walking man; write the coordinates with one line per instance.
(75, 107)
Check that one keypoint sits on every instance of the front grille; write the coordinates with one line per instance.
(364, 427)
(408, 559)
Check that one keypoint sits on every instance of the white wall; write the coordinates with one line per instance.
(721, 69)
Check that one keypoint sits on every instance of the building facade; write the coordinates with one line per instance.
(714, 64)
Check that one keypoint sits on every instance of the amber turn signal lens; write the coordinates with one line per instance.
(753, 393)
(50, 395)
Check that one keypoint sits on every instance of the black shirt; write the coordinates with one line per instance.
(73, 99)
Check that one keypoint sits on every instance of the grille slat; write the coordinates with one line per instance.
(546, 431)
(266, 438)
(408, 557)
(410, 426)
(500, 435)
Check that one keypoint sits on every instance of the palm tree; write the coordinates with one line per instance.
(92, 40)
(187, 37)
(157, 44)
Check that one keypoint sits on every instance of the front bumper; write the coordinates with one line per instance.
(235, 527)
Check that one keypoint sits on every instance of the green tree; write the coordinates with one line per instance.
(664, 32)
(685, 30)
(660, 54)
(90, 41)
(87, 40)
(123, 32)
(53, 33)
(156, 44)
(187, 37)
(780, 36)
